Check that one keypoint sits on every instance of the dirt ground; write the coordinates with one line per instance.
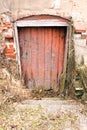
(44, 114)
(20, 109)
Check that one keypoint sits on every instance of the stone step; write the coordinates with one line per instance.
(79, 89)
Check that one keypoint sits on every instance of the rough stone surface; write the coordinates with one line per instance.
(45, 114)
(66, 8)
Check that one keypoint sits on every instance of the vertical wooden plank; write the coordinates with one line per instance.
(30, 80)
(34, 44)
(25, 55)
(58, 71)
(41, 50)
(48, 53)
(55, 46)
(28, 56)
(61, 50)
(21, 46)
(58, 47)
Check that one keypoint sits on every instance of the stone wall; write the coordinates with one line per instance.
(6, 37)
(80, 47)
(74, 9)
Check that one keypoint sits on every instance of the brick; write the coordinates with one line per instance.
(4, 28)
(8, 36)
(3, 44)
(11, 50)
(11, 46)
(84, 35)
(11, 41)
(7, 24)
(79, 27)
(9, 33)
(10, 55)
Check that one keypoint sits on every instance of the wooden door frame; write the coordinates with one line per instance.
(40, 23)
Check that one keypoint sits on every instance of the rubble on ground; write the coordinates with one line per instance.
(10, 85)
(45, 114)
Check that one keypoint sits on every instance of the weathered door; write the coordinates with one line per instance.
(42, 55)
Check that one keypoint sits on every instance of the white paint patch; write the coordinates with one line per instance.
(56, 4)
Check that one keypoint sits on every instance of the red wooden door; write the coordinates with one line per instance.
(42, 55)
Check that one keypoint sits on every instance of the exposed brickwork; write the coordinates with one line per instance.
(6, 38)
(77, 10)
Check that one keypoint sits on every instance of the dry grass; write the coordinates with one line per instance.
(24, 117)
